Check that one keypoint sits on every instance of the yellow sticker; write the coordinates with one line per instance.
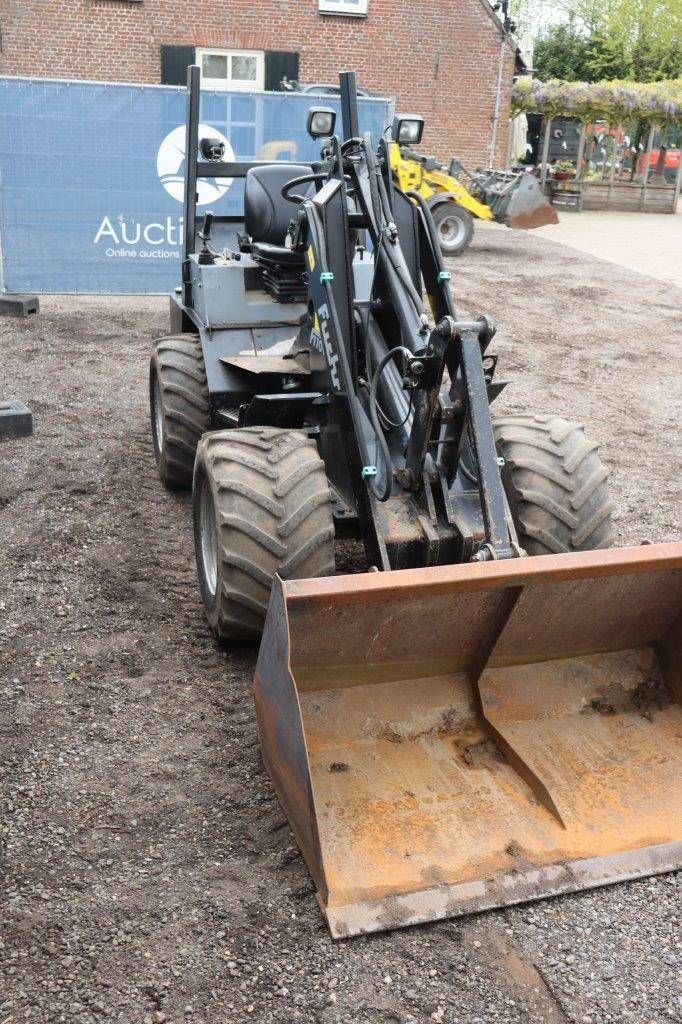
(311, 257)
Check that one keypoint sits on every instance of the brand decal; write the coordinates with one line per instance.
(320, 339)
(120, 237)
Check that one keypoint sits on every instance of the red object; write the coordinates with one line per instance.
(672, 160)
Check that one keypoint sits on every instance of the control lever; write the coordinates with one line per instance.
(208, 224)
(206, 257)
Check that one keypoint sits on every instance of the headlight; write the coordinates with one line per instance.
(407, 130)
(321, 121)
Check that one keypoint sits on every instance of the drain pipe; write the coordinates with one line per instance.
(508, 27)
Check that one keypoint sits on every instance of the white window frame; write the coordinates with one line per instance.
(232, 84)
(347, 8)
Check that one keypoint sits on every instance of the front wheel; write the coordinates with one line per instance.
(262, 506)
(454, 227)
(556, 484)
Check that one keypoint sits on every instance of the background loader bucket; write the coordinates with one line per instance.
(523, 206)
(450, 739)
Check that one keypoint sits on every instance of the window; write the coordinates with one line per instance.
(354, 8)
(232, 69)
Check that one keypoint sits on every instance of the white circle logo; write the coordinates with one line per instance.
(170, 166)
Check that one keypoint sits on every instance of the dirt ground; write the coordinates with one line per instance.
(147, 873)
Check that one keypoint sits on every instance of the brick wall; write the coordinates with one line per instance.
(439, 58)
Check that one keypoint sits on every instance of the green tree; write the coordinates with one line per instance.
(607, 58)
(562, 51)
(636, 39)
(640, 40)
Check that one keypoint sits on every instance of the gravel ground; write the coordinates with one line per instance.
(147, 872)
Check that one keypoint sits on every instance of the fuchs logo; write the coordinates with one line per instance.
(321, 331)
(170, 166)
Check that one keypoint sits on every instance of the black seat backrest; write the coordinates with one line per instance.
(266, 213)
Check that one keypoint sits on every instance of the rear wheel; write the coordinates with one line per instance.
(179, 406)
(454, 226)
(262, 506)
(556, 484)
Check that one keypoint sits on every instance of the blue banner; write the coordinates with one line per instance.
(91, 176)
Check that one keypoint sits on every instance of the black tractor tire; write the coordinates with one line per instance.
(179, 406)
(556, 484)
(454, 227)
(262, 505)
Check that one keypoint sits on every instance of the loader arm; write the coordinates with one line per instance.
(402, 479)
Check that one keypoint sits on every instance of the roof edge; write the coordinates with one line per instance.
(509, 39)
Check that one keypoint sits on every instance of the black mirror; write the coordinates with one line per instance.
(407, 129)
(212, 149)
(320, 123)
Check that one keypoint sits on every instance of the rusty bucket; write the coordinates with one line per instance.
(528, 208)
(451, 739)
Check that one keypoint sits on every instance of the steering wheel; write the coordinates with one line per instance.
(304, 179)
(296, 197)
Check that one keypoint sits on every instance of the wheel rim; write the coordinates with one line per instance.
(208, 533)
(158, 413)
(451, 231)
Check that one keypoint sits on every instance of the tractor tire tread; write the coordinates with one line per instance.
(178, 364)
(555, 483)
(273, 510)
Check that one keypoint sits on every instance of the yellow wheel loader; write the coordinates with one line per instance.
(493, 714)
(512, 199)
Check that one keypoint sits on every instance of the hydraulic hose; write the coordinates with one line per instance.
(429, 225)
(383, 494)
(398, 264)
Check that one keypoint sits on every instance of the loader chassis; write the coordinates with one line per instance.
(475, 714)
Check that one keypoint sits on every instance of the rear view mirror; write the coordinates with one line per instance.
(321, 122)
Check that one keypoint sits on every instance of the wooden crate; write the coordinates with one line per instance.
(627, 197)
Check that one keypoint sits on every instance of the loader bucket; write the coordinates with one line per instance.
(525, 206)
(451, 739)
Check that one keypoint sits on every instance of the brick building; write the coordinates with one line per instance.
(440, 59)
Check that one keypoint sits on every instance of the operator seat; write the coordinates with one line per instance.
(267, 213)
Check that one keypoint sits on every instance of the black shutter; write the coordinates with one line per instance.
(174, 63)
(279, 65)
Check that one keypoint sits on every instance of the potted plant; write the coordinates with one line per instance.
(563, 170)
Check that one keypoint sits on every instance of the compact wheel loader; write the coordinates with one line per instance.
(514, 199)
(489, 716)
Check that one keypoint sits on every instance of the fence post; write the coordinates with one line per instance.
(647, 167)
(581, 151)
(615, 153)
(678, 186)
(545, 152)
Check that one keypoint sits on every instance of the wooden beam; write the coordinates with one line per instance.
(545, 152)
(678, 185)
(647, 167)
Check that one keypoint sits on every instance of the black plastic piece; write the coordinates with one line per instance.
(18, 305)
(212, 149)
(16, 419)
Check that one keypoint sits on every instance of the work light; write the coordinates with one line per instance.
(212, 149)
(321, 121)
(407, 129)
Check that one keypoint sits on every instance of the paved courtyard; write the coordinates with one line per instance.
(650, 243)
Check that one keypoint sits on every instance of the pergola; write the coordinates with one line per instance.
(656, 104)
